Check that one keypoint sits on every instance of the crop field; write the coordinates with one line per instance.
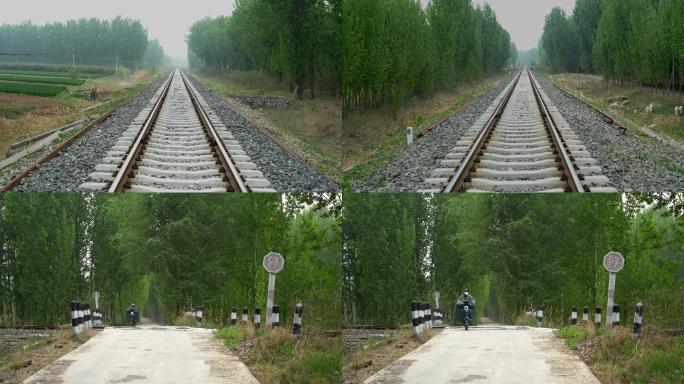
(31, 89)
(41, 79)
(64, 68)
(78, 75)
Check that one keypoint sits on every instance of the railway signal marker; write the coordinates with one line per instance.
(613, 262)
(273, 263)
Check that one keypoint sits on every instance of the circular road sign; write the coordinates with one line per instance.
(273, 262)
(613, 262)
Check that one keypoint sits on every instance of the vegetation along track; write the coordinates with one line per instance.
(177, 144)
(521, 143)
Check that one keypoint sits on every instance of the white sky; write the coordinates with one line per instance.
(168, 21)
(524, 19)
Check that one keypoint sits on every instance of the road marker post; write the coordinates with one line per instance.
(429, 315)
(409, 136)
(200, 316)
(415, 321)
(245, 314)
(275, 322)
(297, 320)
(86, 316)
(616, 315)
(573, 316)
(421, 317)
(257, 317)
(540, 315)
(613, 262)
(437, 322)
(638, 319)
(597, 317)
(273, 263)
(585, 314)
(80, 317)
(233, 317)
(74, 317)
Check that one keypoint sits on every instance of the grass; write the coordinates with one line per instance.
(90, 69)
(36, 353)
(616, 357)
(375, 354)
(373, 138)
(71, 75)
(31, 89)
(41, 79)
(627, 104)
(274, 356)
(310, 128)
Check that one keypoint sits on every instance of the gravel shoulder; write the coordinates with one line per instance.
(70, 169)
(632, 162)
(286, 172)
(409, 170)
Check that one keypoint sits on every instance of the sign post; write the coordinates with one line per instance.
(613, 262)
(273, 263)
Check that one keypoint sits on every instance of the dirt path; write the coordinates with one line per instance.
(148, 354)
(488, 354)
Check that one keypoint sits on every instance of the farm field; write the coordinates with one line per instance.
(34, 101)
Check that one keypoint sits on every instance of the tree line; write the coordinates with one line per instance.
(166, 253)
(120, 41)
(512, 252)
(629, 41)
(293, 40)
(395, 49)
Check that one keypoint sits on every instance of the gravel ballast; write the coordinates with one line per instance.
(70, 169)
(632, 163)
(286, 172)
(409, 170)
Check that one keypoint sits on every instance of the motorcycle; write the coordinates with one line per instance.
(132, 317)
(465, 312)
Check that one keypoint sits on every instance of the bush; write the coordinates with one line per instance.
(31, 89)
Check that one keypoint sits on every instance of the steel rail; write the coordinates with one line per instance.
(458, 180)
(570, 175)
(229, 167)
(124, 172)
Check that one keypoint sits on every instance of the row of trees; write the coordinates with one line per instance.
(86, 42)
(394, 49)
(165, 253)
(294, 40)
(511, 253)
(624, 40)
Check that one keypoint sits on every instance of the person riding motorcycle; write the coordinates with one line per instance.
(466, 296)
(132, 313)
(465, 309)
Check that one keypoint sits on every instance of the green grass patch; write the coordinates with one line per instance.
(15, 111)
(68, 68)
(31, 89)
(572, 335)
(231, 336)
(70, 75)
(41, 79)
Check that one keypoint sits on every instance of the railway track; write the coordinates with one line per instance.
(521, 143)
(177, 144)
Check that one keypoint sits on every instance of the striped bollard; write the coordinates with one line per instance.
(81, 311)
(74, 317)
(540, 315)
(638, 319)
(200, 315)
(438, 323)
(585, 314)
(275, 321)
(257, 317)
(421, 317)
(573, 316)
(415, 321)
(245, 314)
(429, 315)
(616, 315)
(89, 322)
(233, 316)
(597, 317)
(297, 321)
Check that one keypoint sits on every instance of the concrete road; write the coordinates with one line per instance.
(488, 354)
(148, 354)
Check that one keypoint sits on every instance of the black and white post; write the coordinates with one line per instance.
(273, 263)
(275, 321)
(616, 315)
(233, 317)
(415, 320)
(297, 321)
(80, 317)
(540, 315)
(585, 314)
(74, 317)
(200, 316)
(86, 316)
(429, 315)
(638, 319)
(597, 317)
(257, 317)
(245, 314)
(613, 262)
(421, 317)
(573, 316)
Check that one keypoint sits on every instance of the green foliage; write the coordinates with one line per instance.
(38, 69)
(50, 73)
(559, 41)
(231, 335)
(41, 79)
(393, 49)
(572, 335)
(154, 54)
(31, 89)
(295, 40)
(92, 41)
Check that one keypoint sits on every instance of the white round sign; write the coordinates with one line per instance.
(613, 262)
(273, 262)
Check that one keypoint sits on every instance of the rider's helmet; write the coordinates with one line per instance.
(133, 305)
(466, 292)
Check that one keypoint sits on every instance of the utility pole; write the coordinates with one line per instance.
(73, 58)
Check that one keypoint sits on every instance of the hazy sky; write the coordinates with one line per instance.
(168, 21)
(524, 19)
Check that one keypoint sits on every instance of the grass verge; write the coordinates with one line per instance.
(309, 128)
(366, 359)
(616, 357)
(626, 104)
(36, 353)
(274, 356)
(41, 79)
(373, 138)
